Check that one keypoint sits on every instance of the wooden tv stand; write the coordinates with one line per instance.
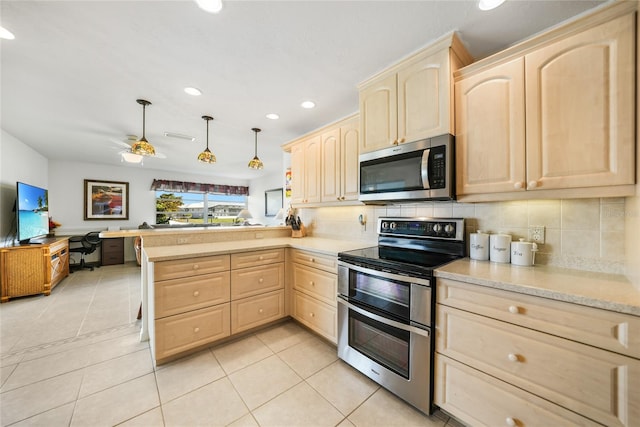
(34, 268)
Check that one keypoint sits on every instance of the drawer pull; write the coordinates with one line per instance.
(261, 311)
(514, 309)
(311, 283)
(312, 314)
(196, 330)
(513, 358)
(260, 280)
(196, 293)
(260, 257)
(196, 266)
(311, 260)
(511, 422)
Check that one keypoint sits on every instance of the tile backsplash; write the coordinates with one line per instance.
(586, 234)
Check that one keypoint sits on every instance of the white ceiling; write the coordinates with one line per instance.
(71, 77)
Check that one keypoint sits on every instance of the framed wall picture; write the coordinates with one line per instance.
(106, 199)
(272, 201)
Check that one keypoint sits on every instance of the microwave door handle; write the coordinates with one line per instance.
(424, 169)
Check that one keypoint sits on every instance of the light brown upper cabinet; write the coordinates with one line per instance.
(552, 117)
(411, 100)
(324, 165)
(340, 162)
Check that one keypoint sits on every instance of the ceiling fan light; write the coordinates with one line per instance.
(131, 157)
(6, 34)
(489, 4)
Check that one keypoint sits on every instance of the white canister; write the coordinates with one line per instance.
(500, 247)
(479, 245)
(523, 253)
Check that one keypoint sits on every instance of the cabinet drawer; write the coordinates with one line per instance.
(316, 315)
(251, 259)
(601, 328)
(180, 295)
(164, 270)
(598, 384)
(319, 284)
(323, 262)
(481, 400)
(250, 312)
(256, 280)
(58, 246)
(182, 332)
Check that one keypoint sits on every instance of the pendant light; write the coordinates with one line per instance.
(142, 146)
(207, 156)
(256, 163)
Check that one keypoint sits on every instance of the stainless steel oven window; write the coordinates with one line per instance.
(382, 289)
(382, 343)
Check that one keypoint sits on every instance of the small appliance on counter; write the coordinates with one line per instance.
(479, 245)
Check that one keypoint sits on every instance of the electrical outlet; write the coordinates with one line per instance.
(536, 234)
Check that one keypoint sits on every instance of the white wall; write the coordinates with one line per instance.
(18, 162)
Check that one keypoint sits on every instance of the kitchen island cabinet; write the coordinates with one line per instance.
(524, 331)
(552, 117)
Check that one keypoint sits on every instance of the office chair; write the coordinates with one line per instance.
(88, 245)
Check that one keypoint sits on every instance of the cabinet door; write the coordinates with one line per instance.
(379, 115)
(423, 98)
(297, 173)
(580, 109)
(331, 166)
(312, 165)
(349, 164)
(490, 134)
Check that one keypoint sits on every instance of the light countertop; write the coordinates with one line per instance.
(606, 291)
(315, 244)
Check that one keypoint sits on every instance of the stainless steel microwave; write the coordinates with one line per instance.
(420, 170)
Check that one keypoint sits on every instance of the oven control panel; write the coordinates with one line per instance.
(425, 228)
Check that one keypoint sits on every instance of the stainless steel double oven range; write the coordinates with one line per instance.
(386, 303)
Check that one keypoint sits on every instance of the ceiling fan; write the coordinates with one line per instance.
(125, 153)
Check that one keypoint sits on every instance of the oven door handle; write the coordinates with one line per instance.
(377, 318)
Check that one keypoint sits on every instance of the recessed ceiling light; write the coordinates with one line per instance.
(6, 34)
(308, 104)
(193, 91)
(489, 4)
(211, 6)
(273, 116)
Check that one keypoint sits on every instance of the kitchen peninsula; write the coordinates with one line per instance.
(203, 285)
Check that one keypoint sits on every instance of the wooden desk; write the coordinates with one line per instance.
(33, 269)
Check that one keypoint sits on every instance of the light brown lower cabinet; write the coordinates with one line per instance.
(254, 311)
(320, 317)
(503, 337)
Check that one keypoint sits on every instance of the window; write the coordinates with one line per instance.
(174, 207)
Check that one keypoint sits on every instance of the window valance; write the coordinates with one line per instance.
(196, 187)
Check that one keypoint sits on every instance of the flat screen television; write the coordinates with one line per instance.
(32, 208)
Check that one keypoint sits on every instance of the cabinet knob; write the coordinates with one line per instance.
(395, 142)
(196, 266)
(196, 330)
(514, 309)
(260, 311)
(260, 280)
(513, 358)
(518, 185)
(511, 422)
(312, 314)
(311, 260)
(311, 283)
(532, 184)
(196, 293)
(338, 198)
(401, 140)
(260, 257)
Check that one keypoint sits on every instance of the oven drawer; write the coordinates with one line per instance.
(601, 328)
(256, 280)
(164, 270)
(311, 259)
(183, 332)
(598, 384)
(180, 295)
(318, 284)
(316, 315)
(482, 400)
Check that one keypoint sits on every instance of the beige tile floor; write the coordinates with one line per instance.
(74, 359)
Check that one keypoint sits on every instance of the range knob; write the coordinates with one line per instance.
(449, 229)
(437, 228)
(392, 226)
(385, 225)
